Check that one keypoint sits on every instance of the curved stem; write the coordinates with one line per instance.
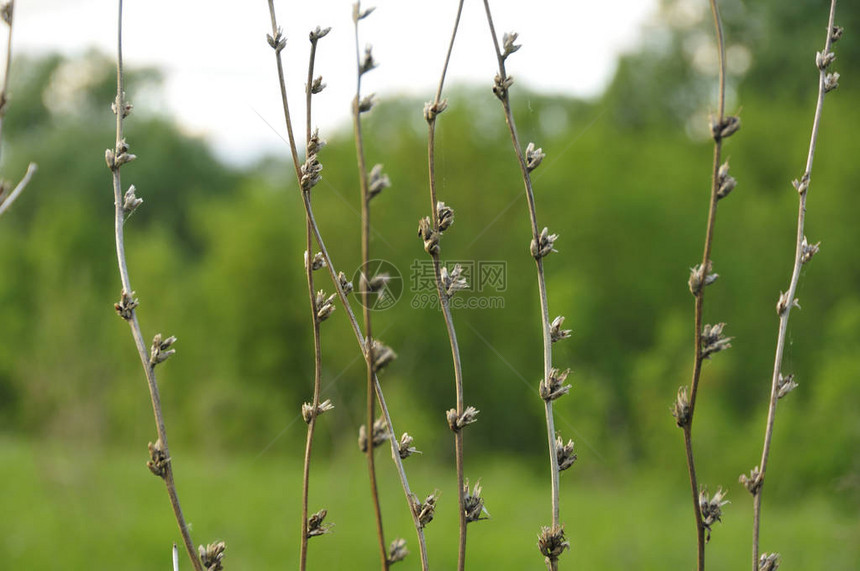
(792, 290)
(444, 300)
(149, 369)
(16, 192)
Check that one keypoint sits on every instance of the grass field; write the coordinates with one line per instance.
(69, 507)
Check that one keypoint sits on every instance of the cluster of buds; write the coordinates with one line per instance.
(453, 281)
(473, 503)
(725, 182)
(381, 355)
(784, 385)
(564, 453)
(556, 333)
(713, 340)
(444, 216)
(808, 250)
(701, 276)
(785, 303)
(317, 262)
(122, 105)
(405, 449)
(456, 422)
(158, 461)
(311, 169)
(429, 236)
(554, 387)
(768, 562)
(323, 306)
(823, 60)
(130, 200)
(424, 511)
(367, 63)
(534, 157)
(344, 283)
(433, 108)
(552, 542)
(501, 86)
(277, 42)
(543, 245)
(752, 482)
(397, 551)
(712, 509)
(309, 411)
(212, 556)
(316, 526)
(118, 156)
(160, 350)
(365, 104)
(380, 434)
(681, 408)
(728, 126)
(126, 305)
(359, 14)
(377, 181)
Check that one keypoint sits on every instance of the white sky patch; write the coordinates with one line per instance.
(220, 77)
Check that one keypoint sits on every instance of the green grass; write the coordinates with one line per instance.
(70, 506)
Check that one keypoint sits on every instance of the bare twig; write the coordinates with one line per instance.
(440, 219)
(6, 202)
(552, 541)
(161, 462)
(343, 288)
(803, 252)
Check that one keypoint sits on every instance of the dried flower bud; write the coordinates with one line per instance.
(160, 350)
(453, 281)
(752, 482)
(317, 262)
(382, 355)
(212, 556)
(345, 284)
(366, 103)
(554, 387)
(425, 510)
(126, 304)
(308, 412)
(473, 503)
(831, 82)
(311, 172)
(456, 422)
(429, 235)
(784, 304)
(278, 42)
(359, 14)
(808, 250)
(543, 245)
(508, 45)
(397, 551)
(836, 34)
(726, 183)
(552, 542)
(444, 216)
(377, 181)
(681, 408)
(405, 448)
(824, 59)
(556, 333)
(432, 109)
(769, 561)
(316, 527)
(785, 385)
(725, 128)
(501, 86)
(7, 12)
(564, 453)
(315, 144)
(324, 305)
(534, 157)
(699, 276)
(712, 509)
(158, 462)
(368, 63)
(380, 434)
(318, 33)
(317, 85)
(121, 103)
(802, 185)
(131, 201)
(713, 340)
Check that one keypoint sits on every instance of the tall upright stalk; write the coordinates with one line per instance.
(161, 461)
(803, 253)
(707, 339)
(307, 175)
(471, 505)
(551, 541)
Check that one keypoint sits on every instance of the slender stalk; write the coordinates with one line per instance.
(802, 253)
(336, 279)
(315, 320)
(127, 305)
(434, 109)
(552, 539)
(6, 203)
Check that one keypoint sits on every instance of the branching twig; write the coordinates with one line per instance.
(161, 462)
(552, 541)
(7, 12)
(430, 230)
(343, 287)
(803, 252)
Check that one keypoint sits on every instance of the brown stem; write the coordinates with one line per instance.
(148, 368)
(444, 301)
(545, 321)
(792, 290)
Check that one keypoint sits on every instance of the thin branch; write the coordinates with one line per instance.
(339, 282)
(552, 540)
(6, 203)
(803, 252)
(431, 112)
(161, 462)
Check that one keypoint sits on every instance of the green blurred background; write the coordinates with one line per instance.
(215, 254)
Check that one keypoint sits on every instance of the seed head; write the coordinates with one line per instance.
(212, 556)
(316, 526)
(564, 453)
(552, 542)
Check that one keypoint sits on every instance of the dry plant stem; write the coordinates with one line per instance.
(148, 368)
(365, 300)
(700, 296)
(444, 302)
(303, 557)
(6, 204)
(333, 274)
(792, 289)
(545, 321)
